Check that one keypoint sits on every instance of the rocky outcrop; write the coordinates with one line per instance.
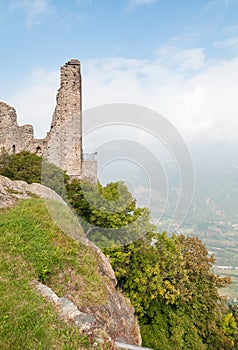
(67, 309)
(115, 315)
(12, 191)
(83, 321)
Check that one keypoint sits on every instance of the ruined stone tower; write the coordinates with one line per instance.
(63, 143)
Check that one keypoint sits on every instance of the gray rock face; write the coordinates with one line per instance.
(117, 317)
(11, 191)
(67, 309)
(70, 312)
(63, 143)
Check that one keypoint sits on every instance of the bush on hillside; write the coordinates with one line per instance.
(28, 167)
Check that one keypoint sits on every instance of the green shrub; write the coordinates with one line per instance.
(31, 168)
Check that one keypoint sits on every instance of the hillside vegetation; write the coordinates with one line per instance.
(169, 280)
(33, 248)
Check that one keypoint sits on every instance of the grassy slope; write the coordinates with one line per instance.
(33, 248)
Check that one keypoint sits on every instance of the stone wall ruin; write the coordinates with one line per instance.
(62, 145)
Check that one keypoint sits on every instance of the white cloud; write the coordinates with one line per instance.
(202, 104)
(226, 43)
(214, 3)
(35, 10)
(211, 4)
(35, 102)
(228, 2)
(182, 60)
(141, 2)
(200, 99)
(134, 3)
(231, 29)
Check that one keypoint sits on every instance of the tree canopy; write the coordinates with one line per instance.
(28, 167)
(175, 294)
(109, 214)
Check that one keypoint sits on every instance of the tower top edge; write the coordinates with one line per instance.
(73, 62)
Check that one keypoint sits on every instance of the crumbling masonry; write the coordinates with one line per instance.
(63, 143)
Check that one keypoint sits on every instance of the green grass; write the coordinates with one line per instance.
(33, 248)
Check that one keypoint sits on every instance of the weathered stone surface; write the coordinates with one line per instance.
(14, 138)
(70, 312)
(11, 191)
(116, 316)
(67, 309)
(89, 170)
(63, 143)
(47, 292)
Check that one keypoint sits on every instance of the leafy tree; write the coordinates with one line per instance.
(23, 166)
(205, 307)
(168, 279)
(166, 327)
(28, 167)
(109, 214)
(54, 178)
(229, 326)
(233, 308)
(149, 268)
(174, 292)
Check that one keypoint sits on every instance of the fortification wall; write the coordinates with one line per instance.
(14, 138)
(63, 143)
(89, 170)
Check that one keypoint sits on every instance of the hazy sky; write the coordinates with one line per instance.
(179, 57)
